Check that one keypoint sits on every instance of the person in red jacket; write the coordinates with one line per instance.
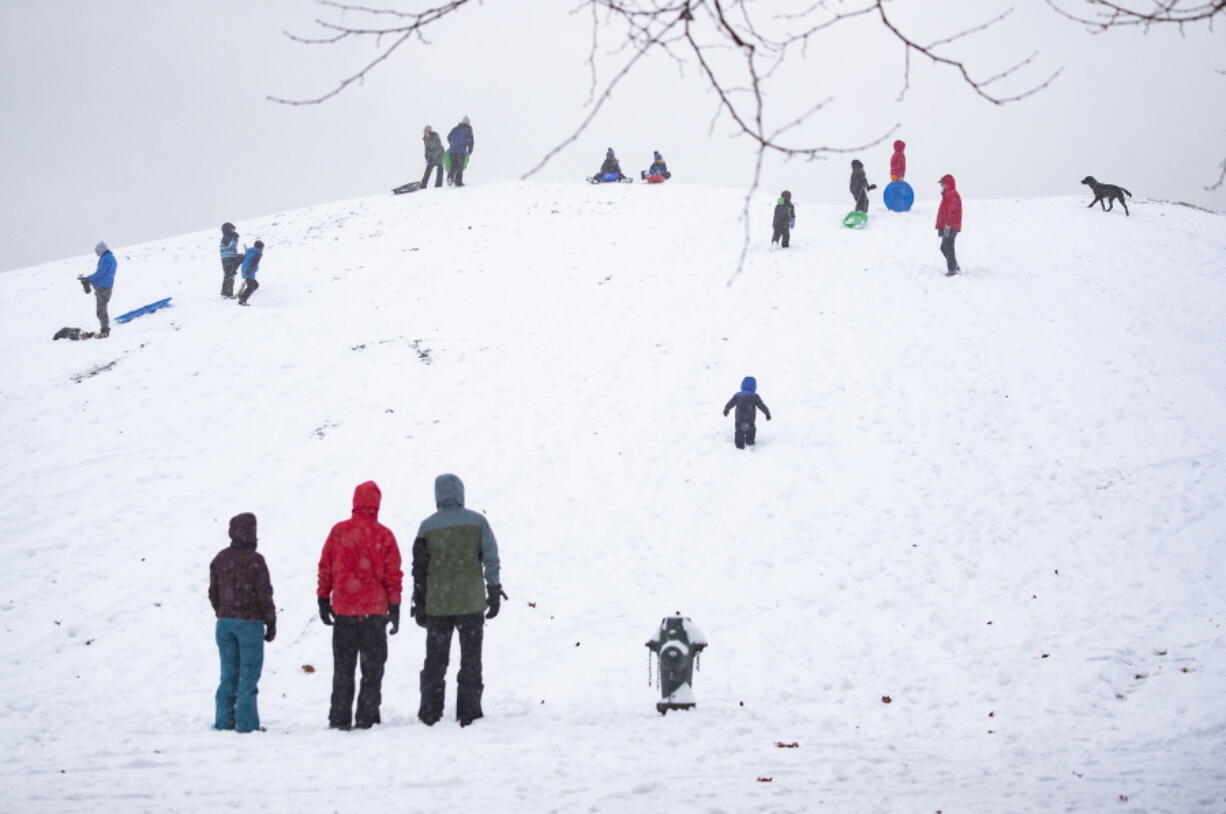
(949, 222)
(898, 161)
(359, 592)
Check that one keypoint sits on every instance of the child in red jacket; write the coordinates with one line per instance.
(949, 222)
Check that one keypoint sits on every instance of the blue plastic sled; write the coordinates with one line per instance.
(898, 196)
(144, 309)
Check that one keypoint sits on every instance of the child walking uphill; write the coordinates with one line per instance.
(241, 593)
(251, 264)
(784, 219)
(747, 402)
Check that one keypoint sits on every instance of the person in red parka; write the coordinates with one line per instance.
(359, 592)
(898, 161)
(949, 222)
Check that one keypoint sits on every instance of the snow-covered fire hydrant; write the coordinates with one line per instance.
(676, 644)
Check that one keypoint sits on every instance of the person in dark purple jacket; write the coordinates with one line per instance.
(241, 592)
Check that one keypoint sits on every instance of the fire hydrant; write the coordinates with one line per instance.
(677, 644)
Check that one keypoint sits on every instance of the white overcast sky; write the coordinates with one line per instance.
(132, 120)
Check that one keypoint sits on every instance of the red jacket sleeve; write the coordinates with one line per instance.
(325, 569)
(393, 576)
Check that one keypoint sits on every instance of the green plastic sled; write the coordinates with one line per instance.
(855, 220)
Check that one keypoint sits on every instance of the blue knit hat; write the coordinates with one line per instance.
(749, 385)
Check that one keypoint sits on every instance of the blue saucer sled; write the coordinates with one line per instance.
(898, 196)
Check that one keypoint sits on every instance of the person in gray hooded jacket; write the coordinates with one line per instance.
(455, 579)
(434, 157)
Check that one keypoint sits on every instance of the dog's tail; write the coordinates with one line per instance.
(1126, 192)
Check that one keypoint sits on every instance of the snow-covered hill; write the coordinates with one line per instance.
(998, 500)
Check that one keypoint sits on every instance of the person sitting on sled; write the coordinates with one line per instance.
(611, 166)
(657, 168)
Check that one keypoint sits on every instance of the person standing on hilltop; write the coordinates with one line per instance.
(230, 259)
(102, 281)
(784, 219)
(898, 161)
(460, 144)
(251, 265)
(434, 157)
(949, 222)
(859, 185)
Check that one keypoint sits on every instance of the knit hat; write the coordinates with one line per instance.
(101, 247)
(227, 227)
(855, 164)
(242, 528)
(609, 153)
(428, 129)
(465, 120)
(657, 156)
(786, 195)
(259, 244)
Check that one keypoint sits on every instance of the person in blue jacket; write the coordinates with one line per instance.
(460, 143)
(251, 264)
(658, 167)
(102, 280)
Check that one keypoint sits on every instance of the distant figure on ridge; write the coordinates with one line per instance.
(434, 157)
(657, 171)
(240, 591)
(251, 264)
(784, 219)
(359, 593)
(860, 187)
(460, 144)
(747, 403)
(898, 161)
(456, 577)
(949, 222)
(102, 280)
(230, 259)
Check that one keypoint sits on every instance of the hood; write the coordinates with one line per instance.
(101, 248)
(228, 229)
(899, 146)
(856, 164)
(448, 491)
(427, 131)
(749, 385)
(366, 499)
(242, 531)
(948, 181)
(465, 121)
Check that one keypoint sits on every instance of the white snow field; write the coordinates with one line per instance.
(997, 500)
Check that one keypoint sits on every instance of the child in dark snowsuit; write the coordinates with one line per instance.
(784, 220)
(747, 403)
(251, 264)
(610, 165)
(860, 187)
(658, 167)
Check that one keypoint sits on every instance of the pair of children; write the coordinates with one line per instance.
(747, 403)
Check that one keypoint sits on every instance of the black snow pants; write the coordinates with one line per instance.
(471, 627)
(103, 296)
(456, 175)
(746, 432)
(354, 637)
(862, 201)
(229, 267)
(249, 287)
(781, 236)
(437, 166)
(947, 249)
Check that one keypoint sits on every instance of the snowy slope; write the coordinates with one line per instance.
(997, 499)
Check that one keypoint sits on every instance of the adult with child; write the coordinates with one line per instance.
(949, 222)
(102, 281)
(456, 577)
(460, 144)
(240, 591)
(359, 594)
(230, 259)
(250, 265)
(434, 157)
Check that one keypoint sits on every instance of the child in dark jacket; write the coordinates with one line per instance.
(251, 265)
(859, 185)
(784, 219)
(747, 402)
(241, 593)
(658, 167)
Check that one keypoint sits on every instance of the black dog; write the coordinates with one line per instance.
(1105, 194)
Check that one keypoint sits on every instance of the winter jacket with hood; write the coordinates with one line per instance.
(950, 213)
(611, 164)
(229, 241)
(859, 181)
(785, 212)
(104, 275)
(460, 140)
(434, 146)
(658, 167)
(453, 547)
(898, 161)
(360, 564)
(239, 584)
(747, 402)
(251, 262)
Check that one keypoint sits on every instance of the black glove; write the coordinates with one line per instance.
(418, 612)
(325, 611)
(494, 600)
(85, 284)
(393, 613)
(871, 187)
(768, 418)
(270, 630)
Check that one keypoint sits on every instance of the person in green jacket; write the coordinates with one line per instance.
(455, 580)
